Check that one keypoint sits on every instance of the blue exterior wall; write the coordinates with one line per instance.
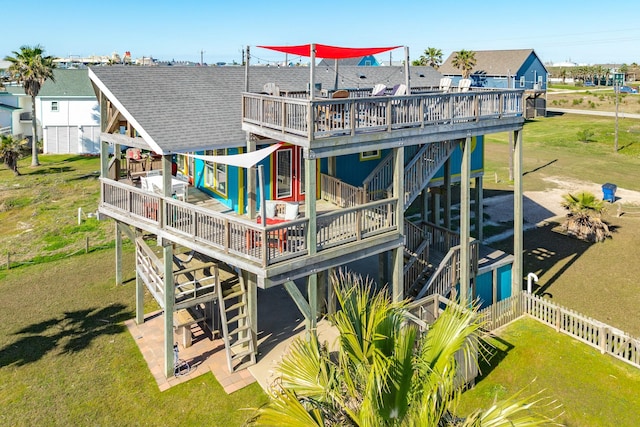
(352, 170)
(504, 282)
(368, 61)
(531, 70)
(484, 285)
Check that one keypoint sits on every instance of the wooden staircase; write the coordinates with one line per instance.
(237, 333)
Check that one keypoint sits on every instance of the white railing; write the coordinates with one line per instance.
(592, 332)
(242, 237)
(5, 130)
(322, 118)
(447, 275)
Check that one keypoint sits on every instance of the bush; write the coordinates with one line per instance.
(585, 135)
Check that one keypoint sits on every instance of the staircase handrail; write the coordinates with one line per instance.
(450, 263)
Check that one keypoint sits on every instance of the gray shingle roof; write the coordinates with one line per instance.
(491, 62)
(189, 109)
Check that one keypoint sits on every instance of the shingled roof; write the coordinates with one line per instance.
(491, 62)
(72, 83)
(197, 108)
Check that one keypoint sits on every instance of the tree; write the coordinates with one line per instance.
(30, 68)
(384, 372)
(584, 220)
(465, 60)
(11, 150)
(431, 57)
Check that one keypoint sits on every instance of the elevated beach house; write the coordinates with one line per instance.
(271, 175)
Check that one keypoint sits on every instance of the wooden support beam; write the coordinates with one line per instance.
(252, 194)
(169, 300)
(297, 297)
(447, 194)
(397, 281)
(310, 188)
(312, 293)
(465, 222)
(251, 285)
(518, 216)
(118, 254)
(478, 208)
(113, 120)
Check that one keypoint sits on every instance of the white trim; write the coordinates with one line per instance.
(154, 146)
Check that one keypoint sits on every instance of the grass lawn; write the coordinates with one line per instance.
(39, 209)
(594, 389)
(66, 357)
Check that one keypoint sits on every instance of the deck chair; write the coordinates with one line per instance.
(379, 90)
(445, 84)
(271, 89)
(464, 85)
(399, 90)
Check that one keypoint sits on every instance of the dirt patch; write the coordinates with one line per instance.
(540, 207)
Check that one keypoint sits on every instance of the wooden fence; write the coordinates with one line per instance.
(599, 335)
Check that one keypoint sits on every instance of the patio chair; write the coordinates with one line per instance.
(399, 90)
(271, 89)
(445, 84)
(464, 85)
(379, 90)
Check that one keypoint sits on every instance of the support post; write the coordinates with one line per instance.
(252, 198)
(139, 296)
(312, 295)
(251, 283)
(104, 159)
(169, 299)
(397, 281)
(478, 208)
(118, 254)
(465, 223)
(518, 215)
(310, 189)
(447, 193)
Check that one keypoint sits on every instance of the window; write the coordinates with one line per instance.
(522, 81)
(215, 174)
(370, 155)
(54, 105)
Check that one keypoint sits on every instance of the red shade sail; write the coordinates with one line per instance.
(330, 52)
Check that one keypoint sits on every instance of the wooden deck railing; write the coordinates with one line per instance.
(322, 118)
(5, 130)
(241, 237)
(340, 193)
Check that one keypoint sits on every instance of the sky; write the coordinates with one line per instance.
(585, 32)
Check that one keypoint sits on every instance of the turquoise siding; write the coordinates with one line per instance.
(504, 282)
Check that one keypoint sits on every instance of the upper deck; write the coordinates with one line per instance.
(329, 127)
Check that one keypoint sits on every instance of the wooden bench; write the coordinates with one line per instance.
(182, 321)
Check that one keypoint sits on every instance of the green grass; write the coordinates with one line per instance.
(552, 148)
(66, 357)
(594, 389)
(39, 209)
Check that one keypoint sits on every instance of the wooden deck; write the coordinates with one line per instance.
(242, 242)
(318, 123)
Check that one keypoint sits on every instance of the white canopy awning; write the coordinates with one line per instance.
(244, 160)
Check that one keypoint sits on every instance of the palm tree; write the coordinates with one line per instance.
(584, 219)
(11, 150)
(31, 68)
(465, 60)
(384, 372)
(431, 57)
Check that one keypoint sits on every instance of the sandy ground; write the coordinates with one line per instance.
(542, 206)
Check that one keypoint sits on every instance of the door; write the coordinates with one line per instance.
(289, 174)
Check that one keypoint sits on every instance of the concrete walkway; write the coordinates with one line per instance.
(594, 113)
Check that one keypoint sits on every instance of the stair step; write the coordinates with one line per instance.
(232, 295)
(241, 355)
(237, 317)
(240, 341)
(239, 329)
(234, 307)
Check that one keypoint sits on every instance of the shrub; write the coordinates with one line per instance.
(585, 135)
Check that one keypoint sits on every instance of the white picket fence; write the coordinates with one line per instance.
(599, 335)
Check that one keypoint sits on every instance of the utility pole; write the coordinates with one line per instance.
(616, 87)
(201, 57)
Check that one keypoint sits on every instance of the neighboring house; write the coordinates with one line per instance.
(362, 61)
(516, 68)
(68, 112)
(332, 174)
